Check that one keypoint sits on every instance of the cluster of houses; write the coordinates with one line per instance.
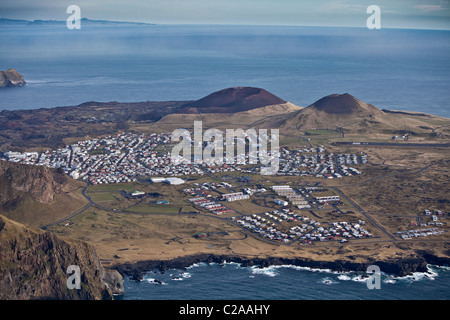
(434, 216)
(113, 159)
(292, 195)
(210, 205)
(307, 232)
(261, 226)
(316, 162)
(328, 199)
(235, 196)
(26, 157)
(283, 215)
(252, 191)
(126, 156)
(201, 188)
(299, 197)
(336, 231)
(409, 234)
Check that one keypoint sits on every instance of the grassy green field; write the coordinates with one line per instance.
(99, 197)
(319, 132)
(156, 209)
(129, 187)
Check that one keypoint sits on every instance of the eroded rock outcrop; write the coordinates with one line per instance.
(11, 78)
(34, 263)
(36, 182)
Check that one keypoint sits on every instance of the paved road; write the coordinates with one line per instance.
(391, 144)
(363, 213)
(92, 203)
(73, 214)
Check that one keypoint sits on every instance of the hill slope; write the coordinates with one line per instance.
(347, 113)
(33, 265)
(336, 110)
(232, 100)
(36, 195)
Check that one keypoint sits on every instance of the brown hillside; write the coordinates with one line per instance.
(338, 104)
(345, 114)
(36, 195)
(33, 265)
(337, 111)
(243, 119)
(232, 100)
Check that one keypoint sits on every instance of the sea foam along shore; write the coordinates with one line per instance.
(325, 277)
(398, 267)
(430, 273)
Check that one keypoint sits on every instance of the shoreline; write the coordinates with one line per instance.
(399, 267)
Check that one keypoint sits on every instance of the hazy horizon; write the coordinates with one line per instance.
(229, 25)
(404, 14)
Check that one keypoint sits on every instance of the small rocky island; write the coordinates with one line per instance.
(11, 78)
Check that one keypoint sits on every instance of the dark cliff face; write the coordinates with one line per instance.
(11, 78)
(399, 267)
(18, 181)
(33, 265)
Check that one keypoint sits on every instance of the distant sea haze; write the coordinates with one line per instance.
(389, 68)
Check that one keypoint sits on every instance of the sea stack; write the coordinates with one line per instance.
(11, 78)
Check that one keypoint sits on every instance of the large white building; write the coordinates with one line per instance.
(235, 196)
(171, 181)
(174, 181)
(281, 202)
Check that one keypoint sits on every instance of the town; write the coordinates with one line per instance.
(128, 156)
(269, 210)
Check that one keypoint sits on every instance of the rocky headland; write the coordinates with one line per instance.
(33, 266)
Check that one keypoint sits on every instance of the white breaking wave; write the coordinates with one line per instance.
(268, 271)
(154, 281)
(328, 281)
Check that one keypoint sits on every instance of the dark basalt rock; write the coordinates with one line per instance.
(398, 267)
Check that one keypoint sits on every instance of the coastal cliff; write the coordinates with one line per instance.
(36, 182)
(11, 78)
(33, 265)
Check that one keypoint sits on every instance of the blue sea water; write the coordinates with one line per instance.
(389, 68)
(233, 282)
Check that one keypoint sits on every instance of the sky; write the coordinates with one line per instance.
(416, 14)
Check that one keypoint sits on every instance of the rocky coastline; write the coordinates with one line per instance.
(399, 267)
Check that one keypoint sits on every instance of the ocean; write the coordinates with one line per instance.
(390, 68)
(230, 281)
